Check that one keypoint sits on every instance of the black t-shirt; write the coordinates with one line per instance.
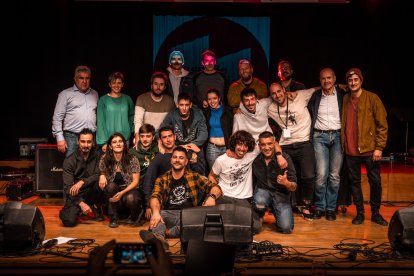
(178, 197)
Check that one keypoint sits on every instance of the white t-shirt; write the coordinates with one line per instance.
(235, 175)
(298, 111)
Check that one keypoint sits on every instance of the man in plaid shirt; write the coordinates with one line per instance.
(178, 188)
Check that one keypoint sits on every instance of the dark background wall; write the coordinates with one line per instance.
(49, 39)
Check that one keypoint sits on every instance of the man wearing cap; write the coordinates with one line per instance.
(179, 79)
(364, 135)
(246, 81)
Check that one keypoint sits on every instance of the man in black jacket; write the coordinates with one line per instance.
(80, 181)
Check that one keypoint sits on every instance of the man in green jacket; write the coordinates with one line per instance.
(364, 136)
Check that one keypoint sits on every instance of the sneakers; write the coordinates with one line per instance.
(113, 223)
(378, 219)
(147, 236)
(306, 214)
(330, 215)
(359, 219)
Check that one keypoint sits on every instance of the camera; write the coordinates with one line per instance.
(132, 253)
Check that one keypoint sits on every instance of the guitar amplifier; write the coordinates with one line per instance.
(19, 189)
(48, 166)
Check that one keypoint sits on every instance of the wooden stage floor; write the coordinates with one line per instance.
(309, 250)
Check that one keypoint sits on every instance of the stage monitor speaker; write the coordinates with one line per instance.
(227, 223)
(209, 258)
(401, 231)
(48, 164)
(22, 226)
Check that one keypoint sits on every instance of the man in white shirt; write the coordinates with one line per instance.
(292, 115)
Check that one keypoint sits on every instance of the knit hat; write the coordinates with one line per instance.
(175, 53)
(354, 71)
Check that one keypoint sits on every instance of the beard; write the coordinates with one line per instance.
(156, 95)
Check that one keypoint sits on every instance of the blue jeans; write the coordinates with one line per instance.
(329, 158)
(172, 222)
(71, 141)
(280, 205)
(212, 153)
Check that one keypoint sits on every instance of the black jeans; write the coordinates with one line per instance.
(374, 179)
(303, 156)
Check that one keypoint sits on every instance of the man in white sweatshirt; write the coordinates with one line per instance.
(179, 79)
(253, 114)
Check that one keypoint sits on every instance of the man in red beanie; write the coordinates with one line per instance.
(364, 136)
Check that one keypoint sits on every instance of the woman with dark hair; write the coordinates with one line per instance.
(119, 176)
(219, 119)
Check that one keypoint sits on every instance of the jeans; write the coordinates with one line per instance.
(303, 156)
(172, 222)
(280, 205)
(328, 156)
(71, 142)
(213, 152)
(374, 180)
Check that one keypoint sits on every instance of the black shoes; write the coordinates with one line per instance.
(113, 223)
(147, 236)
(378, 219)
(318, 214)
(359, 219)
(330, 215)
(97, 212)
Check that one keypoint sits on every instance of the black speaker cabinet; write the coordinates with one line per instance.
(226, 223)
(401, 231)
(22, 226)
(48, 164)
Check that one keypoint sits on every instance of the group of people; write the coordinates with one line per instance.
(195, 141)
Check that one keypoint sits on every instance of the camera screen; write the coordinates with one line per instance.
(132, 253)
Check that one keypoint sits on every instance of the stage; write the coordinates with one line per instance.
(319, 247)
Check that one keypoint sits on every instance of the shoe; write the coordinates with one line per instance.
(113, 223)
(306, 216)
(147, 236)
(359, 219)
(97, 212)
(318, 214)
(330, 215)
(378, 219)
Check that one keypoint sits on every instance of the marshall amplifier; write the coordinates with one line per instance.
(48, 165)
(19, 189)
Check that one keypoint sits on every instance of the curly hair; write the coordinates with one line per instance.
(241, 137)
(109, 159)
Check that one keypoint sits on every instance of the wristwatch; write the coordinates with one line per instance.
(212, 195)
(278, 153)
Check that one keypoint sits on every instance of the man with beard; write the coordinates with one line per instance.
(208, 78)
(152, 107)
(252, 116)
(292, 115)
(80, 181)
(178, 188)
(285, 73)
(246, 81)
(190, 129)
(179, 80)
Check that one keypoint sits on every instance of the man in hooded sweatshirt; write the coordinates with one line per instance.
(179, 79)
